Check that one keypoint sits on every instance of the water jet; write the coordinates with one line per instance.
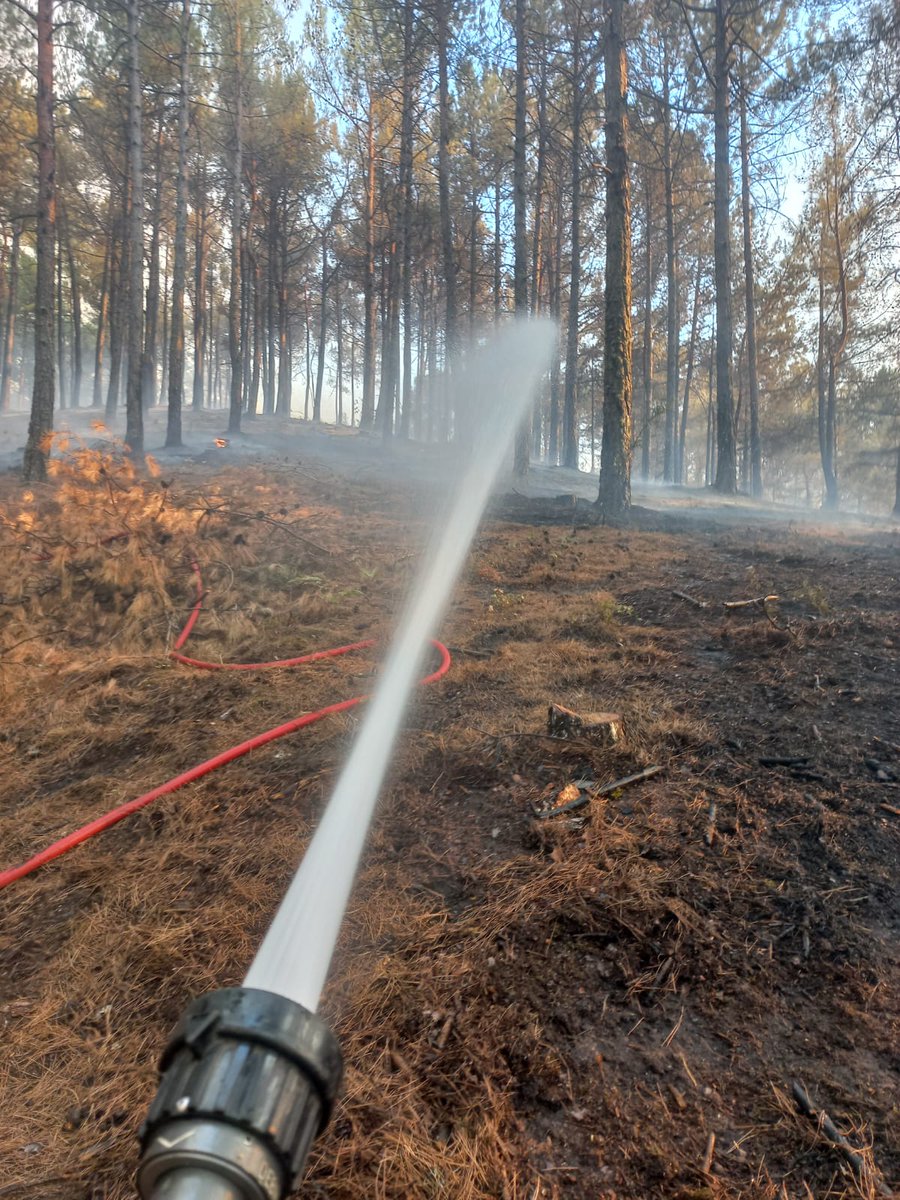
(249, 1076)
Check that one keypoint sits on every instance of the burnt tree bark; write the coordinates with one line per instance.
(37, 450)
(134, 411)
(520, 250)
(179, 267)
(9, 320)
(726, 444)
(756, 484)
(614, 496)
(570, 396)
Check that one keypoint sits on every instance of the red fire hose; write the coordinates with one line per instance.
(71, 840)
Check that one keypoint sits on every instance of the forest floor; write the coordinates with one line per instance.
(610, 1002)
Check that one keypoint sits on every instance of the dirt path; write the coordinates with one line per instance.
(567, 1007)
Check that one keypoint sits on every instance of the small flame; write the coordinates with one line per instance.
(221, 442)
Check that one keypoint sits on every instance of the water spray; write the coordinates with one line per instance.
(250, 1074)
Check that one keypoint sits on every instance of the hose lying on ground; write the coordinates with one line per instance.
(78, 836)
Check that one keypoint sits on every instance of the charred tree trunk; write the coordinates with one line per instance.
(179, 266)
(9, 321)
(37, 450)
(118, 292)
(134, 412)
(446, 217)
(672, 347)
(201, 328)
(339, 353)
(614, 496)
(235, 348)
(520, 248)
(726, 449)
(151, 332)
(570, 399)
(406, 217)
(271, 311)
(367, 410)
(75, 295)
(756, 484)
(61, 379)
(555, 271)
(539, 177)
(680, 476)
(102, 314)
(323, 332)
(285, 363)
(647, 349)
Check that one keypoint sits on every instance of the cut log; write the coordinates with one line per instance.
(602, 727)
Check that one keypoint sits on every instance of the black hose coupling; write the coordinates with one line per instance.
(247, 1081)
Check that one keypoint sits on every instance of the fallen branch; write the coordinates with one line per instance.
(208, 509)
(594, 793)
(691, 599)
(710, 1153)
(710, 836)
(895, 812)
(758, 601)
(861, 1169)
(798, 760)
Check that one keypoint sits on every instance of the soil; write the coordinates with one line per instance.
(611, 1001)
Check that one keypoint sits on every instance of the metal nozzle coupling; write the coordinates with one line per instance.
(247, 1081)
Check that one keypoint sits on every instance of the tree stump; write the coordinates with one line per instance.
(601, 727)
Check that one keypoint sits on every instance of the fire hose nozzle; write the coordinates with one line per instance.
(248, 1079)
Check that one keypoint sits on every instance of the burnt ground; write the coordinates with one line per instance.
(560, 1007)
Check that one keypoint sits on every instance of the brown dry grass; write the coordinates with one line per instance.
(526, 1008)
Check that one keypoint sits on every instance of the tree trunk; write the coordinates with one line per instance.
(151, 349)
(201, 330)
(118, 293)
(680, 475)
(258, 339)
(134, 412)
(446, 218)
(570, 398)
(164, 329)
(367, 410)
(672, 347)
(539, 176)
(285, 355)
(647, 350)
(390, 348)
(339, 353)
(179, 267)
(307, 326)
(726, 450)
(271, 311)
(756, 484)
(498, 253)
(323, 332)
(37, 450)
(897, 487)
(406, 218)
(60, 311)
(9, 322)
(554, 270)
(520, 201)
(614, 496)
(103, 313)
(235, 349)
(75, 293)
